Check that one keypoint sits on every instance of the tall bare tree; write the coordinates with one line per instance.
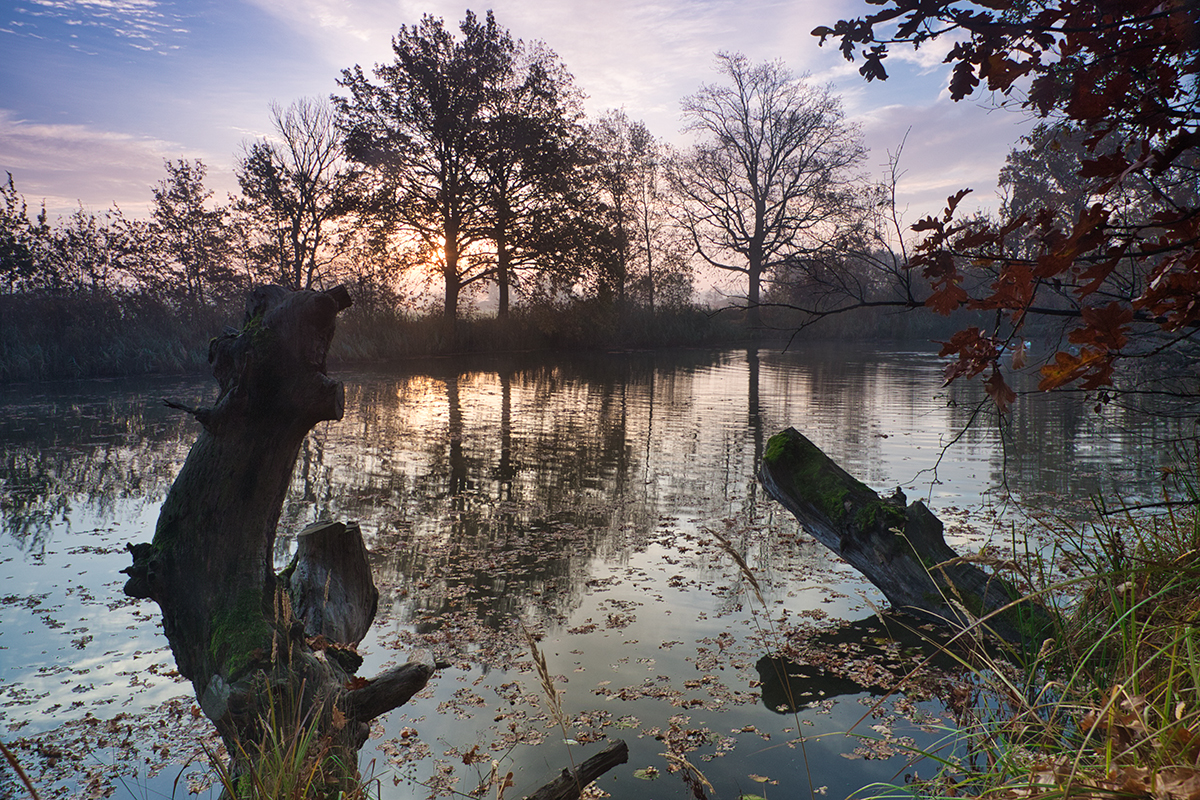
(613, 138)
(650, 261)
(295, 187)
(771, 176)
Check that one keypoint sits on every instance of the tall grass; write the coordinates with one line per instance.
(101, 334)
(47, 337)
(1111, 706)
(375, 334)
(293, 759)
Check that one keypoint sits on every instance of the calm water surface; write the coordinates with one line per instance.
(578, 498)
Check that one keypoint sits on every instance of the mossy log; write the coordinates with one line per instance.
(899, 548)
(255, 645)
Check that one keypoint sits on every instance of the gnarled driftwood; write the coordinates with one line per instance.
(257, 645)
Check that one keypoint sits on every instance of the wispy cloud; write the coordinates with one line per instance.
(59, 164)
(949, 146)
(640, 55)
(147, 25)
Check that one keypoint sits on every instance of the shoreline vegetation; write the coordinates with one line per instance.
(104, 335)
(1110, 704)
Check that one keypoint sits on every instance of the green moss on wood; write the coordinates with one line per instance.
(285, 574)
(811, 475)
(167, 529)
(253, 326)
(236, 632)
(881, 513)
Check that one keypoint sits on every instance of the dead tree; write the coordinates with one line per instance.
(259, 646)
(899, 548)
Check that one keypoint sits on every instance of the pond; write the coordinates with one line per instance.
(586, 503)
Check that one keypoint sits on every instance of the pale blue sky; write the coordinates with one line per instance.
(96, 93)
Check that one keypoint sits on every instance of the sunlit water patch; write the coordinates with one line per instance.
(580, 501)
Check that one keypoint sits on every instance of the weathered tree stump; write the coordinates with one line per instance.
(257, 646)
(899, 548)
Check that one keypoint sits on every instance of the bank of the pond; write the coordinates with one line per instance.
(1111, 705)
(88, 335)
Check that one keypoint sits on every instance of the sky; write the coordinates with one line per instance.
(97, 93)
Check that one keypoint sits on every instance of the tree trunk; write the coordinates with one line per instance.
(754, 289)
(257, 646)
(502, 287)
(451, 278)
(898, 548)
(503, 265)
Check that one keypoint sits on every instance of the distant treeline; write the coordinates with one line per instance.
(461, 175)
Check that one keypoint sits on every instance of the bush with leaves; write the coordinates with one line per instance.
(1122, 77)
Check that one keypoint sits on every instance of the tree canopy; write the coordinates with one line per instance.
(532, 168)
(472, 142)
(295, 187)
(1121, 77)
(186, 251)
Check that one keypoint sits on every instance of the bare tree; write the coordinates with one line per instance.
(649, 257)
(865, 268)
(771, 178)
(296, 187)
(616, 164)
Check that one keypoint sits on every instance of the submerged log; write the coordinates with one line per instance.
(257, 646)
(569, 784)
(899, 548)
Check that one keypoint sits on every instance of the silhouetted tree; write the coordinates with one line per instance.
(531, 165)
(19, 265)
(418, 130)
(182, 252)
(864, 265)
(650, 259)
(772, 175)
(614, 137)
(84, 251)
(295, 188)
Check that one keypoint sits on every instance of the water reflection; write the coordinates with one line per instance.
(870, 656)
(577, 496)
(99, 444)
